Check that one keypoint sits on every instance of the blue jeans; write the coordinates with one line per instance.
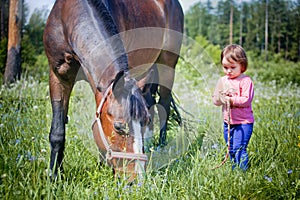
(240, 135)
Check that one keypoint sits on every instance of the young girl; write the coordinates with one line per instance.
(237, 89)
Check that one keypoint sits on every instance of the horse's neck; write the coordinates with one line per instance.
(99, 50)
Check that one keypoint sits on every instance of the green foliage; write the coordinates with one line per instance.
(202, 49)
(203, 54)
(34, 61)
(249, 25)
(198, 20)
(28, 52)
(35, 28)
(39, 69)
(278, 70)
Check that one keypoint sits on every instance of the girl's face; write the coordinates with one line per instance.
(232, 70)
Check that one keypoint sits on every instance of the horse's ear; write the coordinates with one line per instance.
(147, 80)
(118, 86)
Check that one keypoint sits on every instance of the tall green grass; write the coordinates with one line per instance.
(25, 115)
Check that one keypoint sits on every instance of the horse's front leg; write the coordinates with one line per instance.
(59, 94)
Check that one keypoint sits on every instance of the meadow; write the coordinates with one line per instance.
(274, 149)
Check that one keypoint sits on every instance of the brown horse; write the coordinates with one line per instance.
(125, 50)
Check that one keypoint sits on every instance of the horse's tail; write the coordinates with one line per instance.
(176, 114)
(155, 92)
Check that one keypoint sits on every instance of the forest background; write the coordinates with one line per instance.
(268, 29)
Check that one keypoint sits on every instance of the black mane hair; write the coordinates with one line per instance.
(136, 104)
(129, 95)
(110, 26)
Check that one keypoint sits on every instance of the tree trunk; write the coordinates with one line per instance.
(13, 63)
(231, 23)
(241, 29)
(286, 46)
(266, 31)
(2, 21)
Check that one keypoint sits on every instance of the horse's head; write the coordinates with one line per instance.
(121, 120)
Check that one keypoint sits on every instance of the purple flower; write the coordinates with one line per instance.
(215, 146)
(290, 171)
(18, 158)
(268, 178)
(32, 158)
(18, 141)
(140, 184)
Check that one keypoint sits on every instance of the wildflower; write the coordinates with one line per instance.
(18, 141)
(290, 171)
(140, 184)
(215, 146)
(268, 178)
(18, 157)
(32, 158)
(126, 188)
(4, 176)
(43, 150)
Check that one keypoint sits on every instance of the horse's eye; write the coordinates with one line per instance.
(147, 122)
(120, 128)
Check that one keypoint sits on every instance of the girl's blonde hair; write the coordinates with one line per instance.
(235, 53)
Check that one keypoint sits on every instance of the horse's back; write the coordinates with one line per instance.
(148, 28)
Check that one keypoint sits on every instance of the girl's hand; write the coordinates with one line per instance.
(224, 98)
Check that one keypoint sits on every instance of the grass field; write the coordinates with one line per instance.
(25, 116)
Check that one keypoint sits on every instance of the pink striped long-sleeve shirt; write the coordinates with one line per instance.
(242, 92)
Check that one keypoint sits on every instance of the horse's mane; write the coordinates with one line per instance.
(111, 28)
(136, 105)
(126, 90)
(105, 16)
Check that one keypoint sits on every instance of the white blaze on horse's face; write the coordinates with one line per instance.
(138, 145)
(148, 133)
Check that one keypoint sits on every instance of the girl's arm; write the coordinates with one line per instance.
(246, 94)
